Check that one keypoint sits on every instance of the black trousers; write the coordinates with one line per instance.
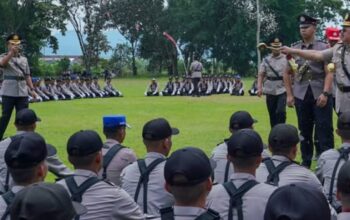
(8, 103)
(276, 105)
(195, 82)
(311, 116)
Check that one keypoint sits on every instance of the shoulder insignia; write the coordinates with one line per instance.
(296, 43)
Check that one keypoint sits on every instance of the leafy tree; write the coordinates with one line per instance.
(63, 65)
(122, 57)
(33, 21)
(88, 18)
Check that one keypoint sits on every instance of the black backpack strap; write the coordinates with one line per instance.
(78, 191)
(108, 157)
(8, 197)
(343, 155)
(167, 213)
(209, 215)
(273, 70)
(227, 170)
(274, 172)
(144, 177)
(7, 181)
(236, 197)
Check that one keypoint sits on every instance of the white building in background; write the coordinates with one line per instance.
(53, 58)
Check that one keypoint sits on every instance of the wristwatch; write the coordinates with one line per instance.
(325, 93)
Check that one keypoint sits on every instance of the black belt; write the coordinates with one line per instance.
(344, 89)
(274, 78)
(18, 78)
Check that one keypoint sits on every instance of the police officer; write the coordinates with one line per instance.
(152, 88)
(147, 188)
(311, 94)
(343, 191)
(16, 74)
(280, 169)
(25, 122)
(25, 159)
(242, 197)
(103, 200)
(272, 69)
(45, 201)
(187, 177)
(340, 57)
(196, 69)
(169, 88)
(115, 156)
(297, 201)
(330, 161)
(222, 167)
(333, 37)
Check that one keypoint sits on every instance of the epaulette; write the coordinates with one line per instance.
(340, 42)
(220, 143)
(109, 182)
(296, 43)
(225, 141)
(321, 41)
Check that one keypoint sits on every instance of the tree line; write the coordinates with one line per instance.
(223, 32)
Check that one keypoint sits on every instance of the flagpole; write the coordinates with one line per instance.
(258, 32)
(172, 40)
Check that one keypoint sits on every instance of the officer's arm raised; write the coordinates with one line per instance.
(306, 54)
(5, 60)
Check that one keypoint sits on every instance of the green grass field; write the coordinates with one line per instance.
(203, 122)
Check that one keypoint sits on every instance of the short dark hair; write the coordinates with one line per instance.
(82, 162)
(151, 143)
(110, 132)
(281, 151)
(187, 194)
(24, 176)
(243, 162)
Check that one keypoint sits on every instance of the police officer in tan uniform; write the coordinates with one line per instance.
(343, 191)
(196, 69)
(14, 89)
(339, 55)
(311, 94)
(272, 69)
(242, 197)
(330, 161)
(115, 156)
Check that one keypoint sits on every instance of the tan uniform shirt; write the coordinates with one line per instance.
(104, 201)
(293, 173)
(325, 167)
(279, 64)
(254, 201)
(316, 70)
(196, 69)
(157, 196)
(12, 87)
(219, 162)
(3, 206)
(333, 55)
(123, 158)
